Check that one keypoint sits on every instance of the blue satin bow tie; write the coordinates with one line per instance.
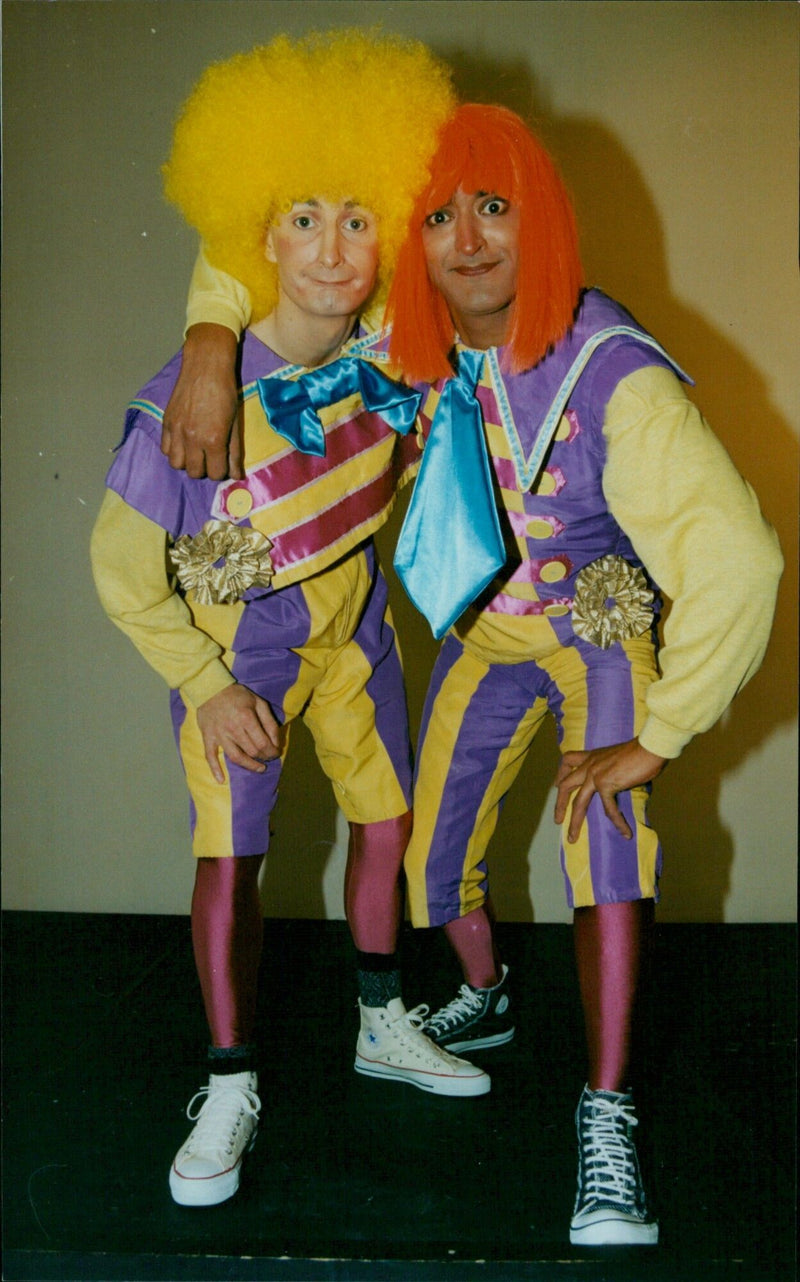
(451, 546)
(292, 406)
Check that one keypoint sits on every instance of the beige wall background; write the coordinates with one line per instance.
(675, 124)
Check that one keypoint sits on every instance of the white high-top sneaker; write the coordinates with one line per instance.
(392, 1045)
(206, 1169)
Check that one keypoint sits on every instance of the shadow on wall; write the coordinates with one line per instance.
(623, 249)
(624, 253)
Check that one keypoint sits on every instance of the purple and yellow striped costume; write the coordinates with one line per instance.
(514, 655)
(319, 641)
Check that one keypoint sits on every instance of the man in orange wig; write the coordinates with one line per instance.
(566, 480)
(602, 482)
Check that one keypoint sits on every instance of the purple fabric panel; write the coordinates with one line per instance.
(256, 360)
(253, 800)
(490, 719)
(178, 715)
(531, 394)
(449, 653)
(142, 476)
(253, 796)
(269, 669)
(501, 700)
(610, 364)
(264, 663)
(386, 687)
(177, 710)
(278, 621)
(583, 528)
(159, 388)
(610, 719)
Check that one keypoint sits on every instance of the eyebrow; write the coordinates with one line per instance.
(477, 194)
(348, 204)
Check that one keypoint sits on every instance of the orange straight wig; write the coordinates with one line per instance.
(488, 148)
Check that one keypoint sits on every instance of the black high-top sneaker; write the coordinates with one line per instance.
(477, 1018)
(610, 1208)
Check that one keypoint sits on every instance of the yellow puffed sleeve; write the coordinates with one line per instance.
(129, 562)
(216, 298)
(697, 526)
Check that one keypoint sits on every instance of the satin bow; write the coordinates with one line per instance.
(451, 546)
(292, 405)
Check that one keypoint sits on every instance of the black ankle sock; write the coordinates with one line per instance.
(223, 1060)
(376, 961)
(378, 978)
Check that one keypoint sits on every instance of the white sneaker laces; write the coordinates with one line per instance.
(465, 1004)
(415, 1018)
(220, 1116)
(409, 1030)
(609, 1168)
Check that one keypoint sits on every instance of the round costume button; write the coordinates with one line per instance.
(552, 571)
(556, 611)
(239, 502)
(546, 483)
(539, 529)
(564, 429)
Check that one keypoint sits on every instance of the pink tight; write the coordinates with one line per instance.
(228, 924)
(609, 945)
(227, 932)
(373, 897)
(610, 942)
(472, 939)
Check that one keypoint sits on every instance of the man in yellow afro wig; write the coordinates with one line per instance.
(260, 600)
(346, 115)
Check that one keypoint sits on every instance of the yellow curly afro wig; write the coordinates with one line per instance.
(343, 115)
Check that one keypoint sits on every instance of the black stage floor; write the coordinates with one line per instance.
(354, 1178)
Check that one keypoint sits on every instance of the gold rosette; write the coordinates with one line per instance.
(612, 602)
(221, 561)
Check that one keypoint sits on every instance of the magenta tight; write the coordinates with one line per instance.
(228, 924)
(472, 940)
(227, 932)
(373, 896)
(610, 943)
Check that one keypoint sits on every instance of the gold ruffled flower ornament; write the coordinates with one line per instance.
(612, 602)
(221, 561)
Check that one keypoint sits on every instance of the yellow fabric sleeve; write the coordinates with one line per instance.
(129, 562)
(216, 298)
(697, 526)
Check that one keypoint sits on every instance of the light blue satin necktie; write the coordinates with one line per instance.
(292, 405)
(451, 546)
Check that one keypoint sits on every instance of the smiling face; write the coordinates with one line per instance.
(326, 255)
(471, 247)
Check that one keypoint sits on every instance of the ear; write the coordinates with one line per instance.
(269, 247)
